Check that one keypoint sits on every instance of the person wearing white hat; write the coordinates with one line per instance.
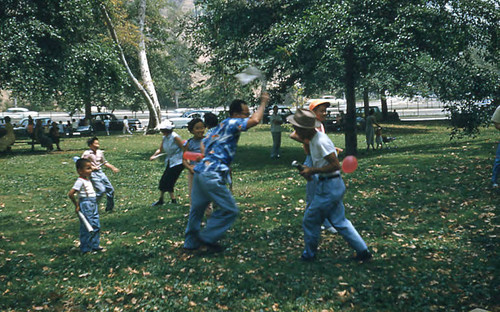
(329, 189)
(172, 146)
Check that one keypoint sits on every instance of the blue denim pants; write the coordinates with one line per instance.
(88, 241)
(209, 187)
(310, 188)
(496, 166)
(327, 204)
(102, 186)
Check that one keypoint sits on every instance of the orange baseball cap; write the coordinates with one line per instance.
(316, 103)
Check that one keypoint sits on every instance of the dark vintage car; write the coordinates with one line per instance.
(21, 128)
(97, 124)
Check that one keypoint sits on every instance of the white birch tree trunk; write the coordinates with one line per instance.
(148, 93)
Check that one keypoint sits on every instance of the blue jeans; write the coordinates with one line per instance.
(327, 204)
(310, 187)
(496, 166)
(88, 241)
(102, 185)
(209, 187)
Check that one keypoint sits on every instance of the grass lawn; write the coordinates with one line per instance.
(426, 209)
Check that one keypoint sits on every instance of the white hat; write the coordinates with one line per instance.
(166, 125)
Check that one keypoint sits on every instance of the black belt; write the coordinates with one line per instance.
(333, 176)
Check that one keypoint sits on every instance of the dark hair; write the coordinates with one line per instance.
(371, 112)
(236, 107)
(7, 119)
(91, 140)
(193, 122)
(81, 162)
(211, 120)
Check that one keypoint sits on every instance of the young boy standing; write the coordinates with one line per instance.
(98, 177)
(329, 189)
(87, 204)
(211, 176)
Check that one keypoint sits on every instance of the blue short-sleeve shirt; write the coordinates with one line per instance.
(220, 145)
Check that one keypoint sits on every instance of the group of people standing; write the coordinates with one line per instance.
(210, 177)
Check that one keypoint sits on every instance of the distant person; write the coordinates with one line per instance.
(370, 130)
(31, 127)
(41, 137)
(74, 124)
(211, 121)
(54, 135)
(106, 124)
(276, 121)
(173, 147)
(87, 205)
(378, 138)
(496, 165)
(69, 128)
(196, 127)
(60, 128)
(99, 179)
(329, 189)
(125, 126)
(211, 178)
(9, 137)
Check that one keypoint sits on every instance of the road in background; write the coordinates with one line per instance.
(408, 110)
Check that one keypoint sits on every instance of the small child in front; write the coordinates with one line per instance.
(87, 204)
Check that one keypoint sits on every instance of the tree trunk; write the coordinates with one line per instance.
(351, 142)
(383, 103)
(366, 102)
(155, 111)
(153, 107)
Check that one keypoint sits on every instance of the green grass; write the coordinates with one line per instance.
(425, 208)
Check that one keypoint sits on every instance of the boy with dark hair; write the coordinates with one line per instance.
(212, 174)
(87, 204)
(98, 177)
(329, 189)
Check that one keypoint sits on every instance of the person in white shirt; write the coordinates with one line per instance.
(87, 204)
(125, 126)
(98, 177)
(276, 121)
(173, 146)
(329, 189)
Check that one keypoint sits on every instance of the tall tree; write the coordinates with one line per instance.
(332, 43)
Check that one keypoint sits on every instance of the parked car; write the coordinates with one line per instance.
(97, 124)
(284, 111)
(18, 113)
(182, 122)
(21, 128)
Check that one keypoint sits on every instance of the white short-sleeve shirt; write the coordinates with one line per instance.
(84, 188)
(320, 147)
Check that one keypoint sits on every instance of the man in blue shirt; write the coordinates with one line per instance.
(211, 177)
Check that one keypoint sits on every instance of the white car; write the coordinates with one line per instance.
(182, 122)
(18, 113)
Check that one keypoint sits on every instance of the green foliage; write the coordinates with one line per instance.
(425, 208)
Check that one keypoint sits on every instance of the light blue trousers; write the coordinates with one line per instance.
(496, 166)
(209, 187)
(310, 187)
(88, 241)
(327, 204)
(102, 186)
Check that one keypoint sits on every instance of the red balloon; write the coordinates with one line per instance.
(193, 156)
(349, 164)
